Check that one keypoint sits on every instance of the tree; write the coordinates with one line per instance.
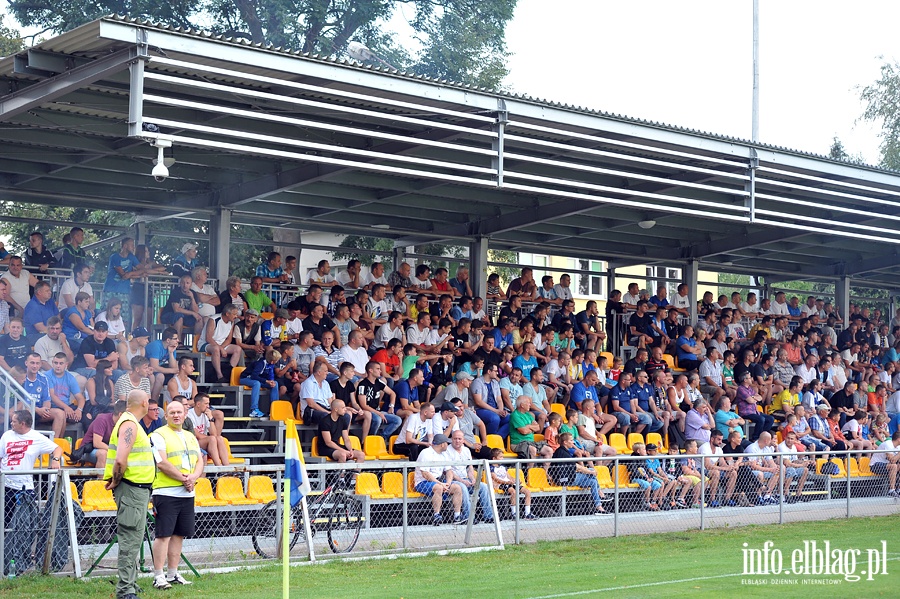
(459, 40)
(10, 40)
(881, 106)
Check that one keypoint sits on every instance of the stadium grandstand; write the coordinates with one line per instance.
(613, 328)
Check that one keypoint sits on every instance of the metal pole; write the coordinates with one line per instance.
(3, 519)
(405, 507)
(703, 493)
(782, 491)
(51, 534)
(847, 468)
(518, 490)
(616, 497)
(754, 129)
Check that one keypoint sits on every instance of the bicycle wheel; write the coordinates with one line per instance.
(267, 530)
(344, 524)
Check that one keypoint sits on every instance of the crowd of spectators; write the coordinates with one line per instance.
(414, 353)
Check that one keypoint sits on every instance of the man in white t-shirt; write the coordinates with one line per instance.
(179, 464)
(375, 276)
(428, 479)
(562, 290)
(794, 467)
(717, 468)
(355, 353)
(19, 448)
(417, 432)
(464, 476)
(320, 275)
(633, 296)
(208, 437)
(350, 278)
(681, 303)
(764, 467)
(445, 420)
(886, 462)
(779, 306)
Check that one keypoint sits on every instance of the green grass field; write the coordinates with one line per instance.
(688, 564)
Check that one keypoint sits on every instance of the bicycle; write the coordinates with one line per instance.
(336, 510)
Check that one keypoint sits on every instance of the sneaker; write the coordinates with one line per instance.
(715, 504)
(437, 520)
(530, 516)
(178, 579)
(256, 414)
(760, 500)
(731, 503)
(459, 519)
(893, 493)
(680, 504)
(161, 583)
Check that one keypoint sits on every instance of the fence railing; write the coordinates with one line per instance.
(377, 509)
(13, 393)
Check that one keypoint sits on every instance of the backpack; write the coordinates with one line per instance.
(59, 555)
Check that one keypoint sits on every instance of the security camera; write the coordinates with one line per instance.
(160, 172)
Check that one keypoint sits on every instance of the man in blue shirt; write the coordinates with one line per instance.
(585, 389)
(624, 405)
(526, 360)
(646, 408)
(123, 266)
(407, 392)
(39, 310)
(41, 396)
(68, 395)
(161, 354)
(503, 333)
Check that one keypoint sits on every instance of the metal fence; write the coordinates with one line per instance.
(380, 511)
(13, 393)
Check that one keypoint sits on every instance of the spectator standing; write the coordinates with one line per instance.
(123, 266)
(186, 262)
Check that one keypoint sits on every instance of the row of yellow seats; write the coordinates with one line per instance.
(229, 491)
(860, 469)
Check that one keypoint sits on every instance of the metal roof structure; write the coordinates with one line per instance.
(276, 138)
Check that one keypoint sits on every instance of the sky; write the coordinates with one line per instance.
(689, 63)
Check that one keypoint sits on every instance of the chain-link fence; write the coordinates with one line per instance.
(383, 507)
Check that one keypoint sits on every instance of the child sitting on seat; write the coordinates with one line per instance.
(502, 482)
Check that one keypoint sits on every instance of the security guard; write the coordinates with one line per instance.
(129, 473)
(179, 464)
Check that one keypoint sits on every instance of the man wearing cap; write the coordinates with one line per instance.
(437, 481)
(96, 347)
(182, 310)
(464, 476)
(179, 465)
(129, 473)
(445, 420)
(820, 430)
(275, 329)
(459, 388)
(218, 341)
(186, 262)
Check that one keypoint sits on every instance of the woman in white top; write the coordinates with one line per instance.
(207, 297)
(79, 282)
(112, 316)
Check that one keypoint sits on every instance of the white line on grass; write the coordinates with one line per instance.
(654, 584)
(634, 586)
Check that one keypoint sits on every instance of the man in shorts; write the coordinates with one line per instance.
(334, 428)
(178, 466)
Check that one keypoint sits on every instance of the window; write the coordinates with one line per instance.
(655, 274)
(591, 286)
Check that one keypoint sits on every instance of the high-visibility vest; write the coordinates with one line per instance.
(141, 469)
(177, 447)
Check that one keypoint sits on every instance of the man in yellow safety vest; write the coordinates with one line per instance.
(179, 464)
(129, 474)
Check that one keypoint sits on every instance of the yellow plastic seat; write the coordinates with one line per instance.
(230, 489)
(522, 481)
(538, 438)
(393, 440)
(96, 497)
(299, 415)
(625, 478)
(392, 484)
(657, 440)
(231, 459)
(281, 410)
(842, 472)
(670, 362)
(854, 469)
(603, 477)
(496, 442)
(537, 479)
(609, 360)
(367, 484)
(411, 486)
(375, 449)
(235, 378)
(559, 409)
(203, 495)
(864, 466)
(617, 442)
(260, 487)
(634, 438)
(266, 315)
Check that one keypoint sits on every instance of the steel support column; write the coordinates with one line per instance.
(478, 268)
(691, 276)
(219, 245)
(842, 297)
